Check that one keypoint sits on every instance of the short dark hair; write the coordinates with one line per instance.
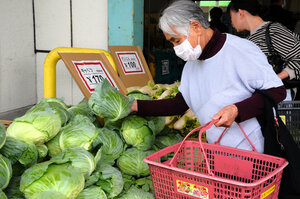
(275, 1)
(216, 13)
(251, 6)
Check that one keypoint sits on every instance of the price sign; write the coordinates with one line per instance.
(131, 65)
(92, 72)
(130, 62)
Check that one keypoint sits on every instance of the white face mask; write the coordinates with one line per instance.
(186, 52)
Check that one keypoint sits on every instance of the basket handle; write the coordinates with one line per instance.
(202, 129)
(218, 141)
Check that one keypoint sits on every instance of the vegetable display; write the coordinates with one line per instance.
(59, 151)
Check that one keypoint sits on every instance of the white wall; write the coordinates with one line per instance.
(17, 58)
(89, 24)
(21, 70)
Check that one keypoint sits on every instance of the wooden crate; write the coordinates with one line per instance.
(6, 123)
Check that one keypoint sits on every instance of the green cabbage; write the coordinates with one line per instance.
(2, 195)
(49, 195)
(2, 135)
(137, 132)
(92, 192)
(39, 124)
(12, 191)
(108, 103)
(135, 193)
(60, 108)
(82, 108)
(79, 132)
(138, 95)
(110, 180)
(18, 150)
(164, 141)
(50, 177)
(30, 156)
(5, 172)
(157, 124)
(42, 151)
(79, 157)
(112, 145)
(131, 162)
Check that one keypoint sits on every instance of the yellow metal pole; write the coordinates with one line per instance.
(52, 59)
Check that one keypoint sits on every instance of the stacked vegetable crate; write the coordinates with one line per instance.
(290, 113)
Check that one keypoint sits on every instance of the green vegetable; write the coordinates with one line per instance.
(108, 103)
(131, 162)
(79, 157)
(92, 192)
(135, 193)
(112, 145)
(12, 191)
(137, 132)
(18, 150)
(111, 180)
(53, 100)
(5, 172)
(144, 184)
(138, 95)
(13, 149)
(158, 124)
(40, 124)
(60, 108)
(52, 177)
(30, 156)
(2, 135)
(2, 195)
(164, 141)
(79, 132)
(82, 108)
(49, 195)
(42, 151)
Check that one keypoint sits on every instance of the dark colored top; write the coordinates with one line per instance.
(277, 14)
(248, 108)
(218, 25)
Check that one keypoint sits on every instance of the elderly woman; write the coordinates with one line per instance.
(218, 80)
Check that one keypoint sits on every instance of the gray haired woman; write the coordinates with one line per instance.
(218, 80)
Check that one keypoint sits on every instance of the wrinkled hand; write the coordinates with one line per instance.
(226, 116)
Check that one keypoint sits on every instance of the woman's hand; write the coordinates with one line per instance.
(283, 74)
(134, 107)
(227, 116)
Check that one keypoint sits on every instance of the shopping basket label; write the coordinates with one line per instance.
(282, 118)
(192, 189)
(267, 193)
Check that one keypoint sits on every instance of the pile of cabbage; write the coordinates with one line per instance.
(63, 152)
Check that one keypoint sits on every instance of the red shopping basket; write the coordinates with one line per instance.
(203, 170)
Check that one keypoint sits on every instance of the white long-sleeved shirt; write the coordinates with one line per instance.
(230, 76)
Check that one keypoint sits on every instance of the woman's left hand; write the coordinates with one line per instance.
(226, 116)
(283, 74)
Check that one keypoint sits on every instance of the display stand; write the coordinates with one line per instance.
(131, 65)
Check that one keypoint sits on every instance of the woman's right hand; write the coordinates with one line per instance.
(226, 116)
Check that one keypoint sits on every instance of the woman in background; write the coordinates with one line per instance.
(245, 16)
